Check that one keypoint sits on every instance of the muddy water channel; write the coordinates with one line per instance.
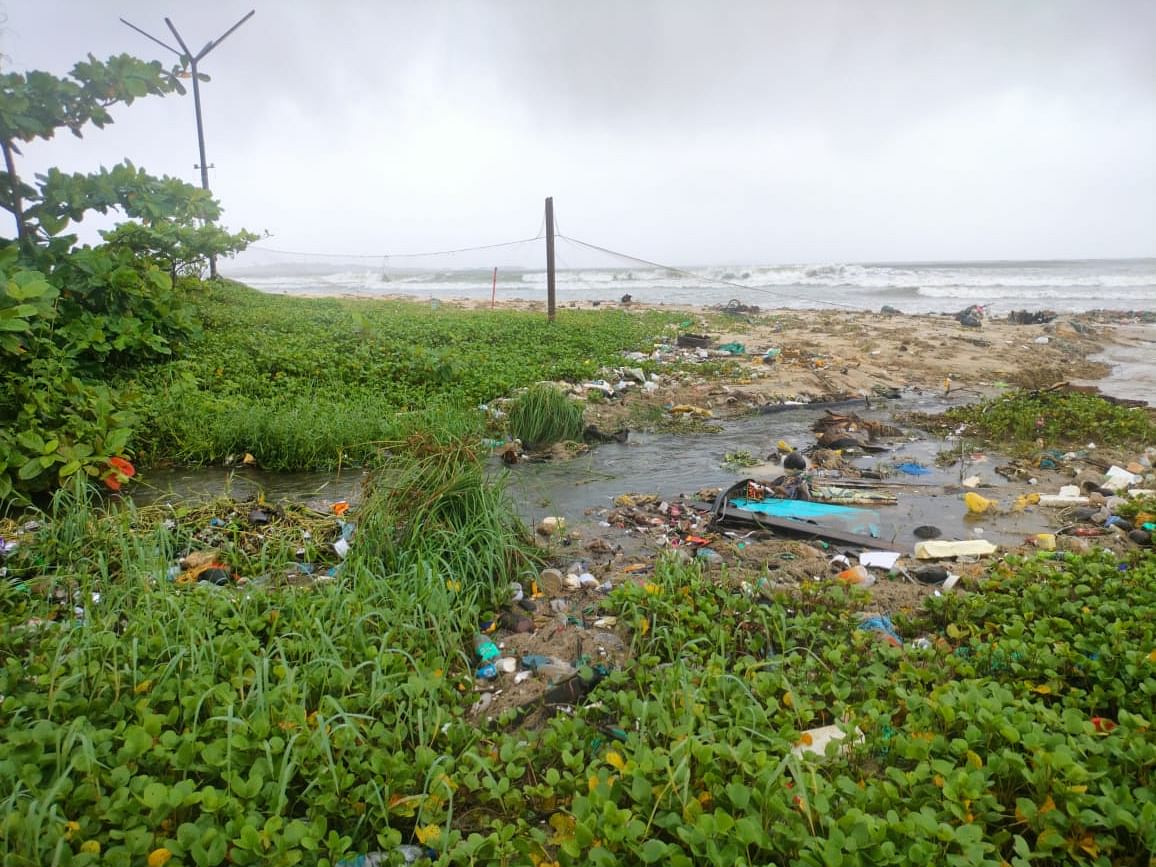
(671, 465)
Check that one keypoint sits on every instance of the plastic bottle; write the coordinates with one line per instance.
(486, 649)
(857, 575)
(550, 667)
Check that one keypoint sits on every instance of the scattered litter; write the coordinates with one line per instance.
(942, 549)
(550, 525)
(1118, 478)
(977, 505)
(882, 625)
(858, 576)
(815, 740)
(879, 559)
(913, 469)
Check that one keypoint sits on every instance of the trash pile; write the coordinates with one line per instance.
(224, 538)
(1031, 317)
(550, 645)
(971, 317)
(847, 431)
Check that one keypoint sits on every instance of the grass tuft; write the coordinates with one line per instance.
(544, 415)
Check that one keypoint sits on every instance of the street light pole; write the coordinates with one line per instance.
(187, 56)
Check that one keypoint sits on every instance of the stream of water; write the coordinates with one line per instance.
(669, 465)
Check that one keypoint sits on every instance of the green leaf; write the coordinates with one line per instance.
(136, 742)
(160, 280)
(31, 441)
(20, 310)
(155, 795)
(24, 285)
(30, 470)
(652, 851)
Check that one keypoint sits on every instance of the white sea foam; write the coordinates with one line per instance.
(1070, 286)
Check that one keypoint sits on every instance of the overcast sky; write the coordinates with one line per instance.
(687, 132)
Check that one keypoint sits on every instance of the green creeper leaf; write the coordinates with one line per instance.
(136, 742)
(155, 795)
(652, 851)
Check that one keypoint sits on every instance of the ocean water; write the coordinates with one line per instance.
(1063, 286)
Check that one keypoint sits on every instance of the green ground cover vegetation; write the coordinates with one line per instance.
(1020, 417)
(303, 725)
(311, 383)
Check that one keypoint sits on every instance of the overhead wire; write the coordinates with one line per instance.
(395, 255)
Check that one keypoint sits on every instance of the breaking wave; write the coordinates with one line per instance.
(1061, 285)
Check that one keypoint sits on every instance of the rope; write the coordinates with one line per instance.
(701, 277)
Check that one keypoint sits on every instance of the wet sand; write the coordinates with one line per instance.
(1131, 355)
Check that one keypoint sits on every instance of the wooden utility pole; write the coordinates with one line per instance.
(187, 56)
(550, 258)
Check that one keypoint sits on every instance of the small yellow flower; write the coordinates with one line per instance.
(428, 834)
(71, 828)
(159, 857)
(90, 847)
(614, 758)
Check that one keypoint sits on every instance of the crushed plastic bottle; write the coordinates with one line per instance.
(550, 667)
(486, 649)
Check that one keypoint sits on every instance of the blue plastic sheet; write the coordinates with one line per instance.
(863, 521)
(913, 469)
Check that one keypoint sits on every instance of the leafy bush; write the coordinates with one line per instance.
(71, 314)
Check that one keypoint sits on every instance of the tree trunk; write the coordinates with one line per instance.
(14, 186)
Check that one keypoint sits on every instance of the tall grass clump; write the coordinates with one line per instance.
(544, 415)
(433, 514)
